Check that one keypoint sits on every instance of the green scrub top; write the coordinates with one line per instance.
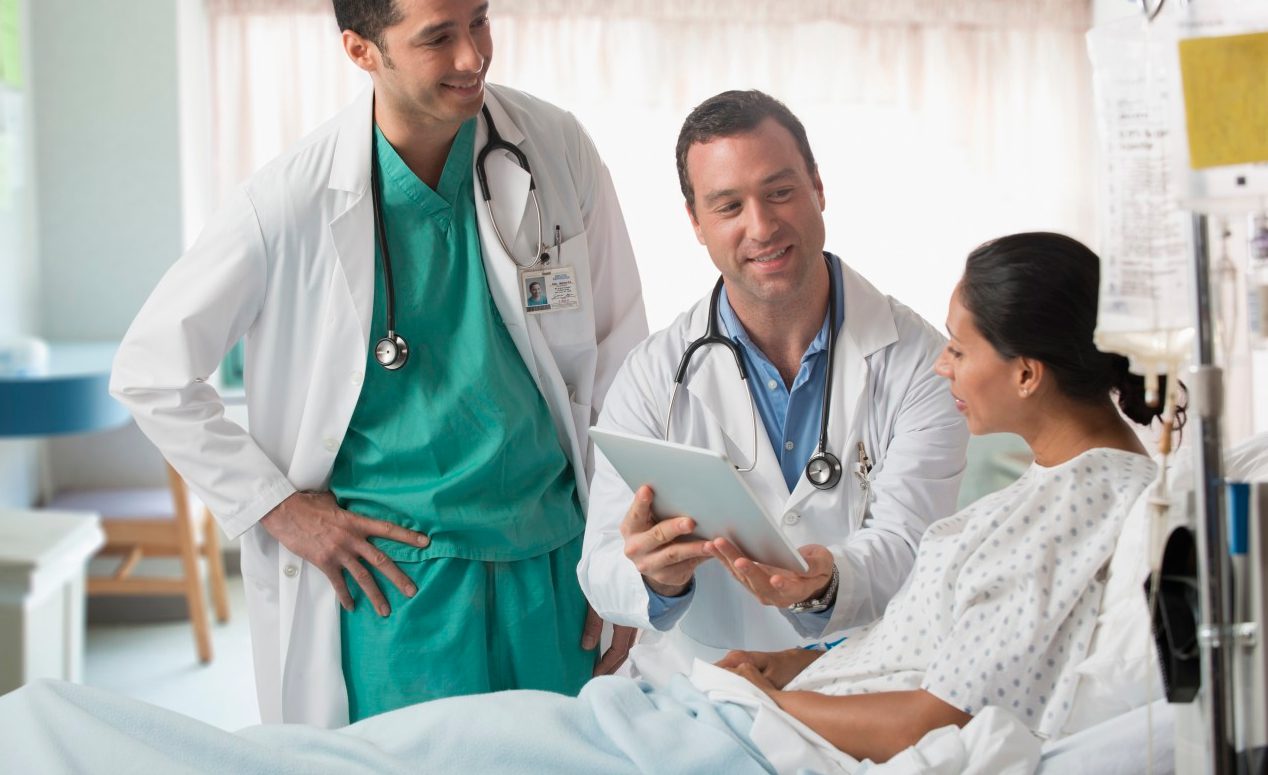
(459, 443)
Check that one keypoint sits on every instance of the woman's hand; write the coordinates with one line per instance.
(754, 676)
(774, 669)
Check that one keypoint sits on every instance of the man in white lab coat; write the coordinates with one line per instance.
(453, 433)
(756, 201)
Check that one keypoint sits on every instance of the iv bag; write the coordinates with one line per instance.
(1219, 62)
(1146, 309)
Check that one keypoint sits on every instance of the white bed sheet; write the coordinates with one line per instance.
(1118, 746)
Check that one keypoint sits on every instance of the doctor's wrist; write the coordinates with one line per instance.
(822, 600)
(667, 590)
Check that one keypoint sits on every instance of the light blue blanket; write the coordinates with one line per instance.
(616, 725)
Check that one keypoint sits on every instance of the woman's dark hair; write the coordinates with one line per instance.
(1035, 295)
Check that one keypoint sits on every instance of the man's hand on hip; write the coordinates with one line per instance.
(661, 550)
(622, 640)
(311, 525)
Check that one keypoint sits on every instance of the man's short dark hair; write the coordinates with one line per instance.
(731, 113)
(367, 18)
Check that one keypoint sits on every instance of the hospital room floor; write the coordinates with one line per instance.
(156, 663)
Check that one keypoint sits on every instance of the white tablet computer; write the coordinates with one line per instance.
(701, 484)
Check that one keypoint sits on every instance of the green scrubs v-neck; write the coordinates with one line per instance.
(459, 443)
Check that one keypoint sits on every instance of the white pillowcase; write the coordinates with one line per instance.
(1121, 670)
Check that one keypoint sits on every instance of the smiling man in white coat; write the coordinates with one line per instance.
(855, 489)
(417, 449)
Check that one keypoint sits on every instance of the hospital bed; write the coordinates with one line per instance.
(54, 727)
(1123, 745)
(1120, 726)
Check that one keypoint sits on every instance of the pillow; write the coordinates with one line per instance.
(1121, 670)
(1248, 461)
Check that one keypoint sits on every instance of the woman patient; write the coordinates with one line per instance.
(998, 610)
(1003, 596)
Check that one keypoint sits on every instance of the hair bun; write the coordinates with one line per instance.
(1130, 389)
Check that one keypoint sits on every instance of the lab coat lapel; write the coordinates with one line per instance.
(508, 181)
(341, 349)
(869, 327)
(352, 231)
(508, 184)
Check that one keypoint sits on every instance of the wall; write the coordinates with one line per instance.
(104, 86)
(19, 275)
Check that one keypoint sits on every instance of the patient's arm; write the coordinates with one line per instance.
(778, 667)
(866, 726)
(871, 726)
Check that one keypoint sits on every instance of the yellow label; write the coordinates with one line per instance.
(1226, 99)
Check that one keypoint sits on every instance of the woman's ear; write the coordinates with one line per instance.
(1029, 376)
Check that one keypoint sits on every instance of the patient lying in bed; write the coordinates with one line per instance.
(998, 612)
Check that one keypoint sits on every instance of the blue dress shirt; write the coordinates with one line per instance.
(791, 417)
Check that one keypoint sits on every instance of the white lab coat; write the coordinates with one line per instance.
(289, 263)
(884, 393)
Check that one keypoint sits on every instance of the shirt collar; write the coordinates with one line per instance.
(735, 329)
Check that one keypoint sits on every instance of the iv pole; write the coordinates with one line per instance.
(1215, 631)
(1218, 634)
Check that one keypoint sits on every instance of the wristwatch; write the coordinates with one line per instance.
(819, 604)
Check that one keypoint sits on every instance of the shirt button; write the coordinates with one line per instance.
(791, 519)
(772, 384)
(788, 445)
(356, 378)
(290, 571)
(329, 444)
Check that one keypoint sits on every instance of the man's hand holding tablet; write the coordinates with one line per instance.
(691, 505)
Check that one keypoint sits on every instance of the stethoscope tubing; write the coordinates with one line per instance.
(392, 351)
(831, 464)
(494, 142)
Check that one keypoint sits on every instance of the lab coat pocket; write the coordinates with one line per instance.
(258, 558)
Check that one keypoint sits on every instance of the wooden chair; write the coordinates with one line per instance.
(158, 523)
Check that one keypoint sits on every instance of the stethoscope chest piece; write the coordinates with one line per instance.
(823, 469)
(391, 351)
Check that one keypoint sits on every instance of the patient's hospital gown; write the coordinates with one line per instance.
(999, 609)
(1001, 604)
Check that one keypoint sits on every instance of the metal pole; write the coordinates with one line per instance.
(1214, 575)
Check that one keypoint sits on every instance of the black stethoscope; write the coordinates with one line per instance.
(823, 469)
(392, 351)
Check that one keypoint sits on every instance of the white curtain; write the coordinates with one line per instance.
(935, 125)
(277, 71)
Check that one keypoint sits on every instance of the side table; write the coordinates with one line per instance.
(43, 557)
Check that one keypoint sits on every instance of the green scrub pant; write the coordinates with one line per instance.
(473, 627)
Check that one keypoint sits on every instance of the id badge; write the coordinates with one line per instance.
(549, 289)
